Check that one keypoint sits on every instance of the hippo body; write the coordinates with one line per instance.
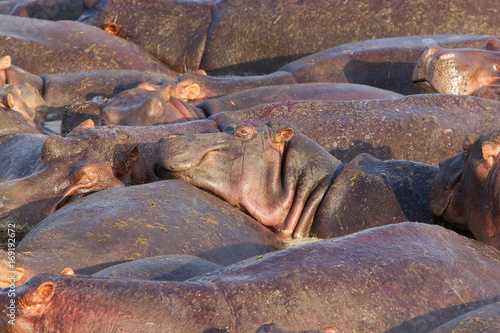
(239, 37)
(483, 319)
(386, 63)
(293, 92)
(19, 153)
(65, 89)
(462, 71)
(44, 47)
(465, 191)
(54, 10)
(405, 277)
(174, 31)
(161, 268)
(285, 181)
(421, 128)
(161, 218)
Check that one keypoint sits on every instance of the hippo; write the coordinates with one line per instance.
(293, 92)
(152, 105)
(146, 106)
(118, 225)
(161, 268)
(275, 328)
(60, 90)
(460, 71)
(386, 63)
(54, 10)
(45, 47)
(483, 319)
(465, 189)
(288, 182)
(88, 160)
(408, 277)
(421, 128)
(236, 37)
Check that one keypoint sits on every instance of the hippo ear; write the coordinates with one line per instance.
(201, 71)
(112, 28)
(123, 159)
(34, 302)
(283, 135)
(67, 271)
(190, 92)
(5, 62)
(492, 45)
(8, 101)
(490, 150)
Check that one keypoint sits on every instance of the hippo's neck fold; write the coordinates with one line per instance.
(307, 172)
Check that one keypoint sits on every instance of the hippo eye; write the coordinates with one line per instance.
(495, 67)
(244, 132)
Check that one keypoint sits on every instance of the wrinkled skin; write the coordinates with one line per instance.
(460, 71)
(421, 128)
(466, 190)
(406, 277)
(287, 182)
(146, 106)
(228, 37)
(248, 169)
(385, 63)
(46, 47)
(161, 268)
(88, 160)
(116, 226)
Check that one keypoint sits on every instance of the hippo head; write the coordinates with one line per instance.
(68, 167)
(466, 190)
(472, 72)
(145, 105)
(192, 87)
(271, 172)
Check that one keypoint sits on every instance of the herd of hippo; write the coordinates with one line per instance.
(249, 166)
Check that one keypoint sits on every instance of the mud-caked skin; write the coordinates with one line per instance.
(174, 267)
(472, 72)
(286, 181)
(115, 226)
(402, 277)
(466, 190)
(386, 63)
